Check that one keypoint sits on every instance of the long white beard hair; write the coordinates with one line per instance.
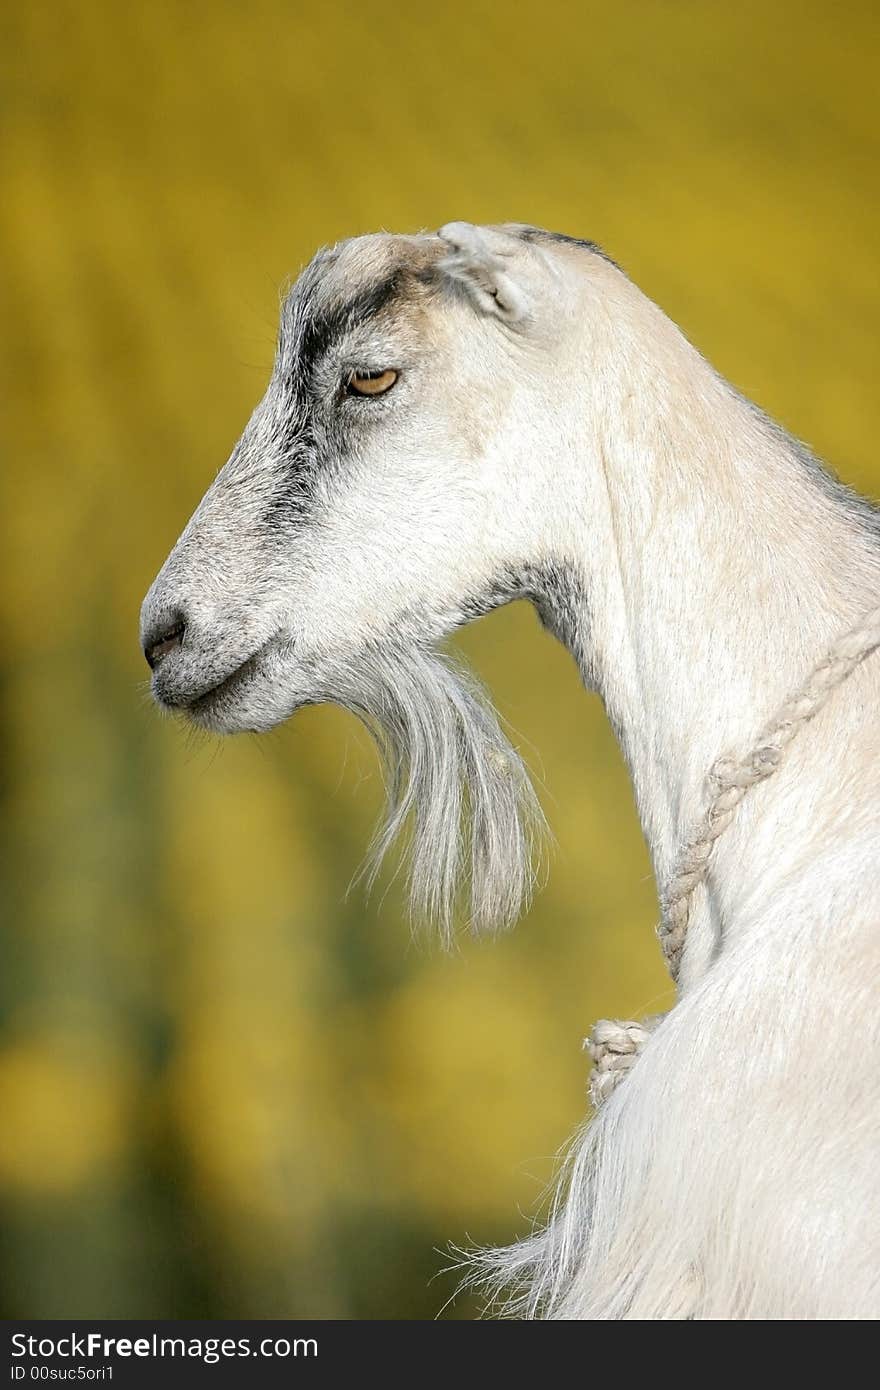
(458, 794)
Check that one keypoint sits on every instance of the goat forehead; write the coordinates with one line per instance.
(353, 273)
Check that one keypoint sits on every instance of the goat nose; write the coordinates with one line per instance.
(166, 638)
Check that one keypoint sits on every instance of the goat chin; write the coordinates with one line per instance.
(458, 794)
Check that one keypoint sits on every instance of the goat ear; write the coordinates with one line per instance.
(482, 260)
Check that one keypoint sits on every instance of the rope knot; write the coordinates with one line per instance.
(614, 1048)
(764, 761)
(720, 774)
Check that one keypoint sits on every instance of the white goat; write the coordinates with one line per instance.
(458, 420)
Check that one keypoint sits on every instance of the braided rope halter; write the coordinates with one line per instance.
(613, 1045)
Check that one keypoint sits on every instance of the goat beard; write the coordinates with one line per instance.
(458, 795)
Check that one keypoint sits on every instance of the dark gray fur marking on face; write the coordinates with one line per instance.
(310, 432)
(317, 329)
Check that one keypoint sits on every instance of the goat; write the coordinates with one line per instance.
(458, 420)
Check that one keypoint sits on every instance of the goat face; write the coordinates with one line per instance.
(379, 495)
(394, 482)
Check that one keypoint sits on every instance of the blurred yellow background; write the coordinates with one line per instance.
(227, 1088)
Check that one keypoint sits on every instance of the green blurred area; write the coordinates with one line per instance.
(227, 1087)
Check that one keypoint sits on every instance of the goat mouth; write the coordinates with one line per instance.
(229, 684)
(223, 693)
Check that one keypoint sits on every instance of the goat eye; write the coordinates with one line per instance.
(371, 383)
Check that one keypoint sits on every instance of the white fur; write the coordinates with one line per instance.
(568, 428)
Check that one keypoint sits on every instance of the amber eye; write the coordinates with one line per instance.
(371, 383)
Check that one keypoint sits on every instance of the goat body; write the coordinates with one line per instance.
(531, 425)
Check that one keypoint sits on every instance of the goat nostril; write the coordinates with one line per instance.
(158, 647)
